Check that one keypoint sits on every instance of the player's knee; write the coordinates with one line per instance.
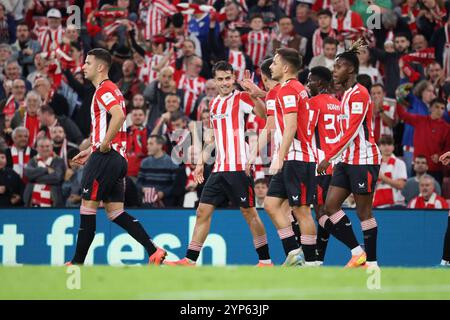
(113, 214)
(203, 213)
(269, 207)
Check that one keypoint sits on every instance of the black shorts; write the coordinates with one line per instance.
(296, 182)
(359, 179)
(235, 186)
(104, 177)
(323, 183)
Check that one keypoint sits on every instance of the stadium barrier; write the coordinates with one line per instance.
(47, 236)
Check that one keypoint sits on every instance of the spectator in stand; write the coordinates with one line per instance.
(261, 188)
(129, 84)
(305, 26)
(383, 113)
(191, 83)
(25, 49)
(231, 50)
(392, 177)
(411, 188)
(440, 41)
(172, 104)
(15, 101)
(155, 93)
(61, 147)
(435, 74)
(7, 25)
(51, 36)
(431, 135)
(390, 58)
(326, 59)
(431, 17)
(11, 185)
(323, 31)
(427, 199)
(288, 38)
(51, 98)
(41, 65)
(45, 173)
(204, 100)
(20, 153)
(418, 102)
(157, 174)
(71, 187)
(344, 19)
(269, 10)
(5, 55)
(136, 141)
(28, 116)
(419, 42)
(49, 119)
(366, 67)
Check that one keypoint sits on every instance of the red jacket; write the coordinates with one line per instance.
(430, 136)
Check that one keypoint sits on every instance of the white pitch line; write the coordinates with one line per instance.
(292, 292)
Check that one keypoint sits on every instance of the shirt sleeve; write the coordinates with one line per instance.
(107, 98)
(246, 103)
(359, 104)
(400, 170)
(288, 100)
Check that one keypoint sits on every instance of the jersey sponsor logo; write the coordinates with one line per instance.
(289, 101)
(270, 104)
(215, 116)
(304, 94)
(357, 107)
(107, 98)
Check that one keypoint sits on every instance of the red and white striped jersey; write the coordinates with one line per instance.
(157, 13)
(435, 202)
(105, 97)
(227, 120)
(237, 60)
(50, 39)
(257, 43)
(193, 88)
(385, 194)
(271, 98)
(325, 110)
(357, 144)
(292, 97)
(146, 73)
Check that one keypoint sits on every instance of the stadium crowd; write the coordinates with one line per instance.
(163, 52)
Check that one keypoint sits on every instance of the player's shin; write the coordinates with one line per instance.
(134, 229)
(86, 234)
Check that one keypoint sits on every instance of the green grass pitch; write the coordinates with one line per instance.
(227, 283)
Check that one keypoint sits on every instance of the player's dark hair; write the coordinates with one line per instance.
(365, 80)
(421, 156)
(101, 54)
(265, 68)
(378, 85)
(292, 57)
(324, 12)
(351, 55)
(437, 100)
(222, 66)
(159, 139)
(47, 109)
(23, 24)
(386, 140)
(323, 73)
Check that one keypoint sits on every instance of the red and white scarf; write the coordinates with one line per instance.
(10, 106)
(32, 124)
(20, 159)
(384, 193)
(346, 23)
(41, 196)
(157, 14)
(433, 203)
(317, 41)
(237, 60)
